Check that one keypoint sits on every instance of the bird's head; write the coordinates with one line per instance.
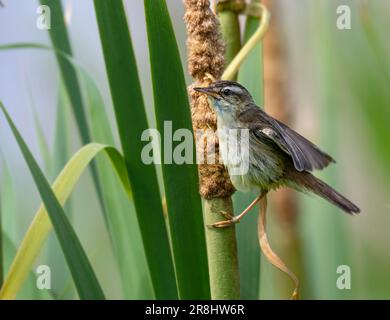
(227, 97)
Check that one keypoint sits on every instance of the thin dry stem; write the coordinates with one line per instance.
(233, 67)
(271, 256)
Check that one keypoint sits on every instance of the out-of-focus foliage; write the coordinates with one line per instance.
(338, 97)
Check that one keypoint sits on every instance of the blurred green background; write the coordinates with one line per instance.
(337, 95)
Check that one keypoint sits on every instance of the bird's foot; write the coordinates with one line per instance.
(230, 220)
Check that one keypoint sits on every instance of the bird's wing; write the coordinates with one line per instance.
(305, 155)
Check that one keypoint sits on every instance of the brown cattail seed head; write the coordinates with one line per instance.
(205, 56)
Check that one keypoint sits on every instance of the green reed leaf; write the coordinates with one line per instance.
(83, 275)
(180, 180)
(131, 121)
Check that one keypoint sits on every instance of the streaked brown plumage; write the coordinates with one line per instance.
(278, 156)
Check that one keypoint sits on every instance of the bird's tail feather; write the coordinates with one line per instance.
(320, 188)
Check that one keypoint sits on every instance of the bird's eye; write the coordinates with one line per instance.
(226, 92)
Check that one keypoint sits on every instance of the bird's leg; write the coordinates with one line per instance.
(235, 219)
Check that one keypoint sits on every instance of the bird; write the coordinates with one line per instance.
(277, 156)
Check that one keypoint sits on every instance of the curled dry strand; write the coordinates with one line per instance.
(271, 256)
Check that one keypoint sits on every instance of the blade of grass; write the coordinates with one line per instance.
(40, 135)
(59, 155)
(8, 209)
(30, 289)
(60, 40)
(122, 224)
(171, 104)
(8, 196)
(9, 220)
(53, 162)
(42, 143)
(82, 272)
(41, 225)
(128, 104)
(122, 221)
(61, 143)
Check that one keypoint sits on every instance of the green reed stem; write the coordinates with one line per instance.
(221, 243)
(222, 252)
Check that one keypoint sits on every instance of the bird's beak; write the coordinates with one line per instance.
(207, 90)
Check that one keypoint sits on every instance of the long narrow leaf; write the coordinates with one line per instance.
(8, 200)
(124, 231)
(41, 226)
(62, 134)
(79, 265)
(122, 221)
(131, 120)
(58, 157)
(30, 288)
(43, 145)
(171, 104)
(60, 40)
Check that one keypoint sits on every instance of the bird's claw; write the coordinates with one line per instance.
(227, 215)
(224, 223)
